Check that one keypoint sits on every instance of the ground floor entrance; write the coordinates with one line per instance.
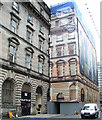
(57, 106)
(64, 107)
(26, 99)
(26, 103)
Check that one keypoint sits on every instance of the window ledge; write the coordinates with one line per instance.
(60, 76)
(71, 38)
(59, 41)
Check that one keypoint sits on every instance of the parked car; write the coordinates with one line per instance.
(90, 110)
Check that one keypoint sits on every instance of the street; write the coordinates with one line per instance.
(76, 117)
(54, 117)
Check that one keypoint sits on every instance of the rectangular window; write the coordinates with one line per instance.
(12, 53)
(64, 21)
(71, 35)
(70, 19)
(27, 60)
(41, 28)
(14, 25)
(41, 44)
(41, 11)
(57, 23)
(59, 38)
(60, 70)
(72, 69)
(30, 18)
(59, 51)
(71, 48)
(15, 6)
(29, 34)
(40, 66)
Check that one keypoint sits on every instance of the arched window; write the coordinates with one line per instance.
(26, 87)
(82, 95)
(13, 46)
(60, 96)
(39, 90)
(39, 99)
(7, 92)
(87, 96)
(73, 92)
(60, 68)
(72, 65)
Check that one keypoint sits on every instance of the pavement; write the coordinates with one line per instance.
(43, 117)
(52, 117)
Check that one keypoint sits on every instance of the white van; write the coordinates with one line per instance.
(90, 110)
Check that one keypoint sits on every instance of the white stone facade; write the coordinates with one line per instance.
(21, 35)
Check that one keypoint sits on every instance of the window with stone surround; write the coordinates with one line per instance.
(30, 19)
(8, 92)
(60, 68)
(12, 53)
(41, 11)
(41, 59)
(71, 35)
(64, 21)
(15, 20)
(41, 42)
(13, 46)
(59, 51)
(72, 66)
(82, 95)
(28, 57)
(70, 19)
(73, 92)
(56, 23)
(14, 25)
(71, 48)
(59, 38)
(29, 33)
(41, 30)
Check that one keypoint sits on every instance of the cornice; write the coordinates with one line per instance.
(22, 70)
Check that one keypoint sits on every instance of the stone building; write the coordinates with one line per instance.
(73, 71)
(24, 59)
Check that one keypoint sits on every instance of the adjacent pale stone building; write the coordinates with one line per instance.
(73, 71)
(24, 59)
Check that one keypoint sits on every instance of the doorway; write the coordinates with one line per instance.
(26, 99)
(57, 106)
(38, 100)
